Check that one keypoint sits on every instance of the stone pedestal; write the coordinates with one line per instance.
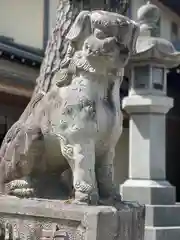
(48, 219)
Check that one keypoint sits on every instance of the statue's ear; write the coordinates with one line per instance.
(135, 35)
(81, 25)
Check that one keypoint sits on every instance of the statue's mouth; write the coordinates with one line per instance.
(109, 56)
(106, 49)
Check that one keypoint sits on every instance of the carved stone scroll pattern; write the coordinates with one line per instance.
(15, 228)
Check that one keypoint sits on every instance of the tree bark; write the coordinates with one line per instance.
(55, 51)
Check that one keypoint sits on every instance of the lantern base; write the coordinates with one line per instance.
(162, 233)
(162, 222)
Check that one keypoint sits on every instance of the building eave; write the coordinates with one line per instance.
(20, 53)
(16, 78)
(15, 91)
(173, 5)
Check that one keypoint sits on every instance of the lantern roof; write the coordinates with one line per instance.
(150, 48)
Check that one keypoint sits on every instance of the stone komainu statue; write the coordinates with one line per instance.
(78, 122)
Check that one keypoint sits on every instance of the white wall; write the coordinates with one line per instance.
(23, 21)
(167, 17)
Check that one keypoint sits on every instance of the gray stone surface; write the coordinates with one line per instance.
(43, 219)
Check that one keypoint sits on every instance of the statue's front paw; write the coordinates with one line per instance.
(23, 192)
(20, 188)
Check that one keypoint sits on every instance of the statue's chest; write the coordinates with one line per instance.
(84, 109)
(89, 100)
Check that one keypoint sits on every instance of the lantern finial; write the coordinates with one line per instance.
(148, 16)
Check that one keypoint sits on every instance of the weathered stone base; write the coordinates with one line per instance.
(45, 219)
(162, 222)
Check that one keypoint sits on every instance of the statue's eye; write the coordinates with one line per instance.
(100, 34)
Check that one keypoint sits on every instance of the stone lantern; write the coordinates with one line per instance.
(147, 105)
